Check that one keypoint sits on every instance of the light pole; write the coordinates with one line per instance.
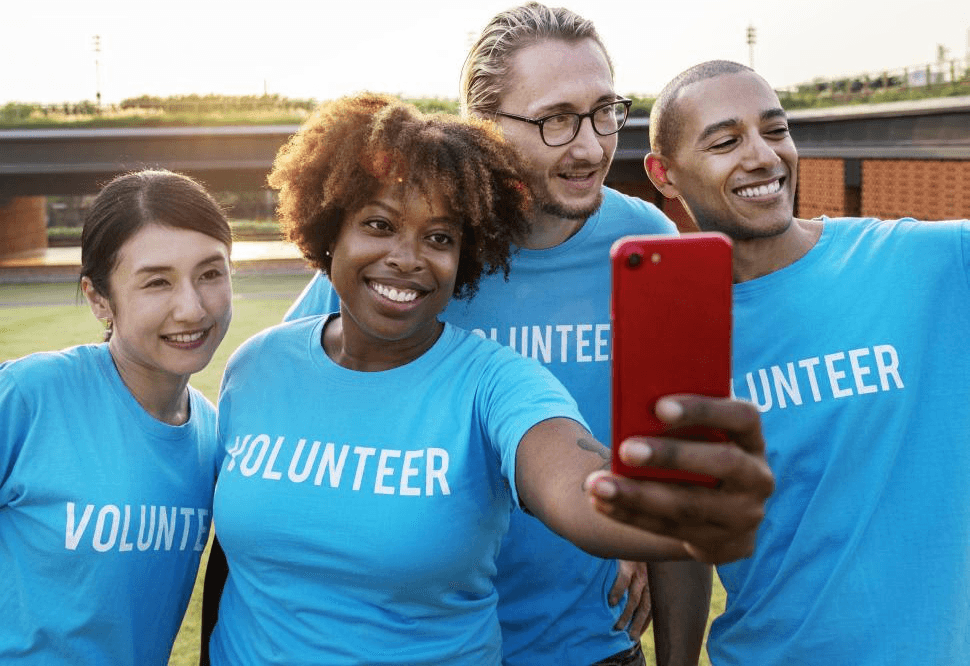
(751, 41)
(97, 68)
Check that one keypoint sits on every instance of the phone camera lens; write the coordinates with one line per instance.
(634, 260)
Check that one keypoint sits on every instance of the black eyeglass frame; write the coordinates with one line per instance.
(627, 103)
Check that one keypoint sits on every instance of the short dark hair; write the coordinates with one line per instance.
(353, 146)
(666, 125)
(134, 200)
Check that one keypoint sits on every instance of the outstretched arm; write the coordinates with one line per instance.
(648, 520)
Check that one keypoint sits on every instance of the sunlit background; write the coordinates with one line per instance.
(69, 50)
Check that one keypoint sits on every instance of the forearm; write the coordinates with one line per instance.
(680, 594)
(216, 572)
(553, 461)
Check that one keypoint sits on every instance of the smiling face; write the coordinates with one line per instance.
(170, 302)
(735, 165)
(394, 265)
(545, 78)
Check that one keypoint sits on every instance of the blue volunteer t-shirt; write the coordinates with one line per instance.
(555, 308)
(856, 355)
(361, 512)
(104, 513)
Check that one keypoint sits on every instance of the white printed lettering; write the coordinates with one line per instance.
(407, 471)
(124, 545)
(299, 477)
(836, 375)
(785, 386)
(602, 337)
(328, 464)
(859, 372)
(200, 535)
(542, 343)
(166, 527)
(362, 453)
(582, 343)
(100, 544)
(563, 330)
(887, 364)
(435, 473)
(73, 534)
(248, 467)
(383, 471)
(809, 364)
(186, 521)
(269, 472)
(145, 544)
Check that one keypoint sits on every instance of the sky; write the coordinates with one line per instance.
(415, 48)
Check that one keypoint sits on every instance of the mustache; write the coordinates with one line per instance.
(585, 165)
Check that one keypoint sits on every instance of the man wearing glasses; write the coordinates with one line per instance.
(544, 75)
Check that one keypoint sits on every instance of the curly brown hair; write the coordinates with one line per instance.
(353, 146)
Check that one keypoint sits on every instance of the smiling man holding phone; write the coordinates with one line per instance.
(850, 336)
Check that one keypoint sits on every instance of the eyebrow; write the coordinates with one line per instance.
(565, 107)
(767, 114)
(161, 269)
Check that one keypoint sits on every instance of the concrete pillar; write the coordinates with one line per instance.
(23, 225)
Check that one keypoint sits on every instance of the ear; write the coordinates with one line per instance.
(99, 304)
(656, 168)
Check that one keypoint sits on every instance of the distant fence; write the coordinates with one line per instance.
(954, 72)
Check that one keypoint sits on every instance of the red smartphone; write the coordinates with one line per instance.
(671, 333)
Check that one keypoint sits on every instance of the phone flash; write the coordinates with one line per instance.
(655, 257)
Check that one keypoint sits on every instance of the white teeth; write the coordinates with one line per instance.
(396, 295)
(761, 190)
(185, 338)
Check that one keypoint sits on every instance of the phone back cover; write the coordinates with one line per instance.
(671, 334)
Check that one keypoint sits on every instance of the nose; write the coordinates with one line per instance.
(187, 305)
(759, 154)
(588, 145)
(405, 254)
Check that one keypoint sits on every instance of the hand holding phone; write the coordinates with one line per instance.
(671, 331)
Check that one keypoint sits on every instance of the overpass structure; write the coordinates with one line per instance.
(885, 160)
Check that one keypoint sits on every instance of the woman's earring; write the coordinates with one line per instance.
(108, 328)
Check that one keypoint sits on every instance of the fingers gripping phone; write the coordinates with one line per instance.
(671, 333)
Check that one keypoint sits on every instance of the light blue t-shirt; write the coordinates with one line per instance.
(104, 513)
(555, 307)
(361, 512)
(857, 356)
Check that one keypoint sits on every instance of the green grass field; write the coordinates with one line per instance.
(40, 317)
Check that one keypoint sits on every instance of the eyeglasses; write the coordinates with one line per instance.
(559, 129)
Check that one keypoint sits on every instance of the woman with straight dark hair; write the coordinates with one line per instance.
(107, 456)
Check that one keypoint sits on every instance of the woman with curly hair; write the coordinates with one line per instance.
(375, 453)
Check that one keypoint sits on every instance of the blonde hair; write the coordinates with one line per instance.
(488, 62)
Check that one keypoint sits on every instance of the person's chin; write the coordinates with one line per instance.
(577, 211)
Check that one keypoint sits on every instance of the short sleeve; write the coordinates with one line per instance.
(318, 298)
(518, 394)
(15, 419)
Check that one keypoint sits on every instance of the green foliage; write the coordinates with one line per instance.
(435, 105)
(179, 104)
(13, 112)
(241, 230)
(641, 106)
